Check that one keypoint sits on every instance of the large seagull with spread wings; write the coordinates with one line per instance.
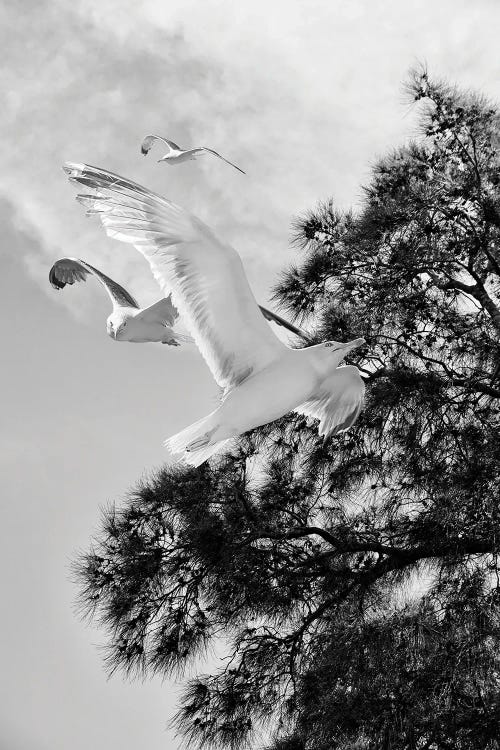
(262, 378)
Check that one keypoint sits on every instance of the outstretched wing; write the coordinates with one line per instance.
(68, 270)
(162, 311)
(269, 315)
(150, 139)
(206, 276)
(214, 153)
(337, 402)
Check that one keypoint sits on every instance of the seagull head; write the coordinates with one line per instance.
(116, 326)
(340, 349)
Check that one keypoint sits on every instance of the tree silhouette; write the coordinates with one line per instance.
(353, 582)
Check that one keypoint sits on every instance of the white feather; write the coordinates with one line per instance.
(337, 401)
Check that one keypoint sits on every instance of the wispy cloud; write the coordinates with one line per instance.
(301, 94)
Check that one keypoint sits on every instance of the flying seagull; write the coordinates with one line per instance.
(262, 378)
(176, 154)
(128, 321)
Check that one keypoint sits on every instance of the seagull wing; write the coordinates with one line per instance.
(148, 141)
(68, 270)
(214, 153)
(337, 402)
(162, 311)
(269, 315)
(206, 276)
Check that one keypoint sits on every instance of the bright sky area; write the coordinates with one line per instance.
(303, 95)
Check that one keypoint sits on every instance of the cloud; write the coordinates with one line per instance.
(303, 95)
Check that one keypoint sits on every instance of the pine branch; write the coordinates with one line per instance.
(457, 380)
(340, 545)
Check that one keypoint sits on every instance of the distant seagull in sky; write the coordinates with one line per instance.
(127, 322)
(263, 378)
(176, 154)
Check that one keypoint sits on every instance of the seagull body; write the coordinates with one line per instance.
(262, 378)
(128, 321)
(293, 380)
(136, 327)
(177, 155)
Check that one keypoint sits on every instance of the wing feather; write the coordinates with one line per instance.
(338, 401)
(148, 141)
(68, 270)
(162, 311)
(205, 276)
(214, 153)
(271, 316)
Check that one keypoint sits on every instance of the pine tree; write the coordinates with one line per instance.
(353, 583)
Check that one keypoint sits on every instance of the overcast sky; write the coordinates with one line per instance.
(303, 95)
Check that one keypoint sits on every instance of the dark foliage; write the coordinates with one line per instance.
(355, 580)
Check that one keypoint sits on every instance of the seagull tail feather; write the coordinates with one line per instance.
(194, 444)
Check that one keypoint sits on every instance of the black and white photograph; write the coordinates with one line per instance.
(250, 375)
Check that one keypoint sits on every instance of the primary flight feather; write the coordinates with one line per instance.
(262, 377)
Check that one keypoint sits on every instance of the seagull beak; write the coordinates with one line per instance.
(355, 344)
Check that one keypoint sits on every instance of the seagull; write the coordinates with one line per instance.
(128, 321)
(176, 154)
(262, 378)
